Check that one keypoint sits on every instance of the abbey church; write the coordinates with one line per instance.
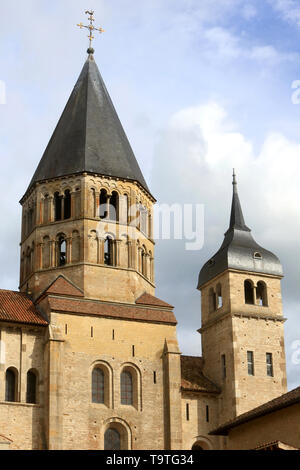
(89, 356)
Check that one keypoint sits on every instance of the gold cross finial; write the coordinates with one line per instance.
(92, 28)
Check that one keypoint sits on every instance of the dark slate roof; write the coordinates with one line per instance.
(89, 136)
(238, 249)
(283, 401)
(192, 377)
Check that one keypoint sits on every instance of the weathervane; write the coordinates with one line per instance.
(92, 28)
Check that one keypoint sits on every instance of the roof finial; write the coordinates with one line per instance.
(234, 182)
(92, 28)
(234, 177)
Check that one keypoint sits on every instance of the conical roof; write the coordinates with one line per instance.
(239, 249)
(89, 136)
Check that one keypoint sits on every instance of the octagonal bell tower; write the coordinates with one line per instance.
(87, 213)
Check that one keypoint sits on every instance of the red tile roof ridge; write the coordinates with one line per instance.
(151, 300)
(122, 311)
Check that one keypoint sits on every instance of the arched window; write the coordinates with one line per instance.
(28, 261)
(261, 294)
(103, 212)
(46, 252)
(97, 385)
(219, 297)
(108, 252)
(30, 219)
(149, 226)
(125, 209)
(77, 203)
(31, 390)
(249, 292)
(197, 446)
(212, 300)
(11, 385)
(114, 207)
(126, 388)
(32, 256)
(57, 206)
(143, 219)
(112, 439)
(62, 251)
(67, 205)
(144, 261)
(150, 266)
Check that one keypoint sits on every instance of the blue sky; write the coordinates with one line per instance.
(200, 87)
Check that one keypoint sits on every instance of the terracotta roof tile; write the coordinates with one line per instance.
(287, 399)
(62, 286)
(111, 310)
(148, 299)
(192, 378)
(16, 307)
(275, 445)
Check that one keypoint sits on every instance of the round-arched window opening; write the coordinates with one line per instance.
(112, 439)
(197, 447)
(257, 255)
(202, 444)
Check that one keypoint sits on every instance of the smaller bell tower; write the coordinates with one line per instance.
(242, 321)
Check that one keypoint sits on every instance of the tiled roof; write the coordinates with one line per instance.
(288, 399)
(192, 378)
(275, 445)
(63, 286)
(148, 299)
(16, 307)
(102, 309)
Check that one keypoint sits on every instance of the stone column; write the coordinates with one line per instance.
(69, 250)
(72, 196)
(54, 378)
(108, 206)
(172, 396)
(40, 247)
(147, 266)
(117, 252)
(53, 253)
(101, 242)
(51, 209)
(152, 270)
(62, 208)
(97, 205)
(41, 211)
(130, 260)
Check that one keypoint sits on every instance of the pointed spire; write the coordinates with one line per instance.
(236, 218)
(89, 136)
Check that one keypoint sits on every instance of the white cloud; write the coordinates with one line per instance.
(224, 42)
(289, 9)
(204, 144)
(249, 12)
(224, 45)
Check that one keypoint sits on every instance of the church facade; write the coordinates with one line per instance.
(89, 355)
